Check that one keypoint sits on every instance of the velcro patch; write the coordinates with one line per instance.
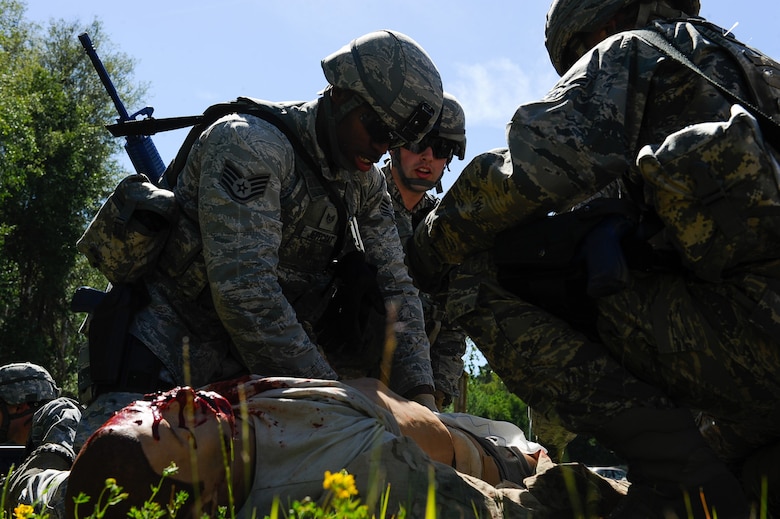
(243, 189)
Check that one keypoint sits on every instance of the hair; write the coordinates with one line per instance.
(122, 458)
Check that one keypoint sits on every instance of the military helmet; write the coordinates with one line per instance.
(395, 76)
(567, 18)
(24, 382)
(451, 124)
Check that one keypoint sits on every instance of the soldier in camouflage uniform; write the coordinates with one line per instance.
(412, 171)
(46, 426)
(24, 388)
(669, 341)
(247, 270)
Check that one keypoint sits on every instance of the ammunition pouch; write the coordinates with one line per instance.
(352, 329)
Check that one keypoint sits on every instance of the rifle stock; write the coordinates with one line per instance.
(140, 148)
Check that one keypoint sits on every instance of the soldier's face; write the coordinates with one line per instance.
(422, 166)
(362, 138)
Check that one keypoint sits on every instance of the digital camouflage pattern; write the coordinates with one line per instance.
(702, 342)
(452, 124)
(448, 342)
(126, 236)
(25, 382)
(41, 480)
(393, 74)
(715, 186)
(268, 233)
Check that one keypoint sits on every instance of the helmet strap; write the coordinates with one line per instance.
(331, 119)
(412, 183)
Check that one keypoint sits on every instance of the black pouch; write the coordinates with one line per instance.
(352, 329)
(107, 334)
(561, 262)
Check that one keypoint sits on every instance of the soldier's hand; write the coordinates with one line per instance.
(439, 397)
(427, 400)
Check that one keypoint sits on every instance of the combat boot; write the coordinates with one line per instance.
(673, 472)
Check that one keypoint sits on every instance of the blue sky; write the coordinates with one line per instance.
(491, 55)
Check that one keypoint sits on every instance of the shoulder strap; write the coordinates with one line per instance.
(769, 126)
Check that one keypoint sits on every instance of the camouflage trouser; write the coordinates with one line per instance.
(664, 341)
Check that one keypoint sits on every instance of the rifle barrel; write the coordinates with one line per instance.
(101, 70)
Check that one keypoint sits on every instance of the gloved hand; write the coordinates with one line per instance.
(442, 399)
(427, 400)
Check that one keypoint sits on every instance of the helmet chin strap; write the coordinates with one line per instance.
(413, 183)
(332, 118)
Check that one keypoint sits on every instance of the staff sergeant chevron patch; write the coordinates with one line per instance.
(243, 189)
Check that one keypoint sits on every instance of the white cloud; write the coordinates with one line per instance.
(491, 91)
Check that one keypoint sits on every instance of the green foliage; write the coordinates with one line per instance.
(488, 397)
(56, 166)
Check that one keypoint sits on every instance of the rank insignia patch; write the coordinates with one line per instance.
(386, 208)
(243, 189)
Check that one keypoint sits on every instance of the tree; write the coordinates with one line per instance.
(56, 166)
(488, 397)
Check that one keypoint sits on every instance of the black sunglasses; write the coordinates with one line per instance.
(379, 131)
(441, 148)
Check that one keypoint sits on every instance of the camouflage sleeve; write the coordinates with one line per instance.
(243, 162)
(412, 362)
(56, 422)
(447, 352)
(40, 482)
(560, 150)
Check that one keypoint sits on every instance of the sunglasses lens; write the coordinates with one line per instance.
(441, 148)
(376, 129)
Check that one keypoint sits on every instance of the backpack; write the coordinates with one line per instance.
(126, 236)
(716, 185)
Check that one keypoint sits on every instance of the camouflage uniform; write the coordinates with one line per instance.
(448, 342)
(261, 284)
(41, 480)
(667, 338)
(23, 383)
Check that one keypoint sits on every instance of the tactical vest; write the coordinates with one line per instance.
(316, 226)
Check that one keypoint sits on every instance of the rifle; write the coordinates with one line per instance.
(11, 455)
(142, 151)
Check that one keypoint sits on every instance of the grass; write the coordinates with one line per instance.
(341, 501)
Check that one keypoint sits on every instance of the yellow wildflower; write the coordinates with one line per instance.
(341, 484)
(23, 511)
